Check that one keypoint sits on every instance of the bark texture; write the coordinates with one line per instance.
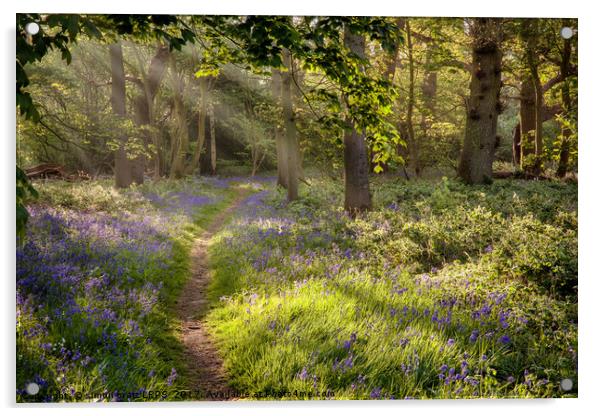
(211, 113)
(278, 133)
(357, 186)
(483, 106)
(290, 130)
(123, 175)
(414, 146)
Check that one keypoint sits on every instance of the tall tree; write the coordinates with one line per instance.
(204, 88)
(428, 89)
(179, 133)
(298, 77)
(211, 115)
(148, 84)
(527, 114)
(357, 185)
(565, 72)
(409, 122)
(59, 32)
(531, 33)
(123, 173)
(483, 106)
(393, 57)
(278, 133)
(290, 131)
(538, 48)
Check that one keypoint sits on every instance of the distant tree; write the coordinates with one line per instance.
(211, 115)
(123, 168)
(59, 31)
(530, 33)
(148, 85)
(540, 53)
(259, 41)
(566, 70)
(179, 127)
(205, 84)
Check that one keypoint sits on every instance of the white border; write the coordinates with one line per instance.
(590, 154)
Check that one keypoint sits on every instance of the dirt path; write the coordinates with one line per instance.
(205, 367)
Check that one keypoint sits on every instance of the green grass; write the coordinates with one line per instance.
(142, 361)
(309, 303)
(306, 302)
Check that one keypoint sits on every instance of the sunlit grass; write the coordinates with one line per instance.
(417, 300)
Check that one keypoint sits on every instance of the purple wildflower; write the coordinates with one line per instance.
(504, 339)
(172, 377)
(376, 393)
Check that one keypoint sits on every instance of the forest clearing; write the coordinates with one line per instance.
(291, 208)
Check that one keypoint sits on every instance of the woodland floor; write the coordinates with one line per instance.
(220, 288)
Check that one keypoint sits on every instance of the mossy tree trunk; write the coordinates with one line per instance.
(483, 106)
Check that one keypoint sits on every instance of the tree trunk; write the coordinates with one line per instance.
(411, 137)
(196, 158)
(141, 118)
(144, 106)
(211, 114)
(563, 161)
(532, 33)
(298, 79)
(179, 136)
(516, 149)
(391, 64)
(429, 91)
(357, 185)
(291, 145)
(123, 177)
(392, 59)
(278, 134)
(483, 107)
(527, 122)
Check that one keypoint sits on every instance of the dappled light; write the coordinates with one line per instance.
(277, 207)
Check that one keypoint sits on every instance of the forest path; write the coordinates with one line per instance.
(206, 376)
